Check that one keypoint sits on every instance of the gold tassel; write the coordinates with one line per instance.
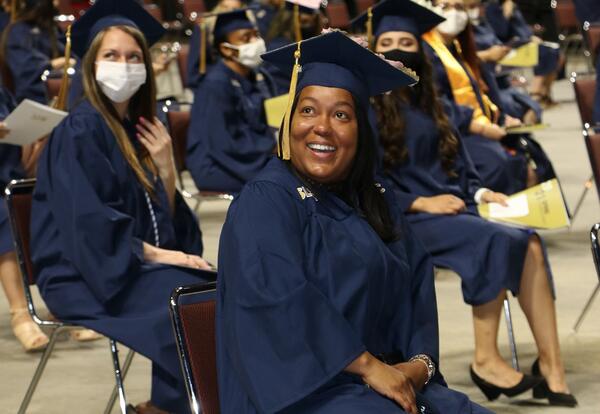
(297, 31)
(61, 100)
(13, 10)
(283, 149)
(203, 34)
(370, 28)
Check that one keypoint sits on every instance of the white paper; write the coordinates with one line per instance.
(517, 207)
(30, 121)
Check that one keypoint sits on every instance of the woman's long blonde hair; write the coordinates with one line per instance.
(142, 103)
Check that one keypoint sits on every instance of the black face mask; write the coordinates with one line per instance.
(411, 60)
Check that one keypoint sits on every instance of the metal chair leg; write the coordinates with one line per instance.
(586, 307)
(586, 187)
(119, 376)
(39, 370)
(511, 334)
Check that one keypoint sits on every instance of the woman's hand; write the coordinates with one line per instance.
(394, 384)
(4, 131)
(416, 371)
(508, 8)
(155, 137)
(154, 254)
(494, 54)
(442, 204)
(59, 63)
(493, 131)
(509, 121)
(493, 197)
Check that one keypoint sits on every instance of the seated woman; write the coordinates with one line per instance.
(505, 164)
(326, 301)
(490, 51)
(508, 24)
(438, 188)
(31, 46)
(111, 236)
(229, 140)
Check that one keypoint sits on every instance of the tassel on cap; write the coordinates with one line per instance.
(61, 100)
(370, 28)
(297, 31)
(14, 5)
(283, 149)
(203, 40)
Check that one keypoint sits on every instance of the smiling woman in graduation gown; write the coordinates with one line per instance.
(107, 248)
(229, 140)
(307, 285)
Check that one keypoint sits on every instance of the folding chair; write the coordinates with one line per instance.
(178, 124)
(512, 343)
(52, 87)
(596, 257)
(18, 198)
(193, 8)
(337, 13)
(154, 11)
(193, 316)
(568, 25)
(585, 89)
(363, 5)
(182, 60)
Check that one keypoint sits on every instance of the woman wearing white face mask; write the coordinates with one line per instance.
(111, 237)
(229, 140)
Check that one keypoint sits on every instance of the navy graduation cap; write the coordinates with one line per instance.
(416, 17)
(107, 13)
(229, 21)
(334, 60)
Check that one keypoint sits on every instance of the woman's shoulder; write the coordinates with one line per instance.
(82, 122)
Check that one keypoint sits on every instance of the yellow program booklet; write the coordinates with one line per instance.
(526, 128)
(525, 56)
(275, 110)
(538, 207)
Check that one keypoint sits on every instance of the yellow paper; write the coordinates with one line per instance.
(526, 129)
(275, 110)
(525, 56)
(538, 207)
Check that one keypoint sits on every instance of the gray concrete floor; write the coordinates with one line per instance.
(78, 377)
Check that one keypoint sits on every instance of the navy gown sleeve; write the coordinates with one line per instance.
(193, 62)
(26, 64)
(283, 337)
(85, 197)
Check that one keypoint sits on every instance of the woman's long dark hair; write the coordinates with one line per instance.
(358, 189)
(392, 125)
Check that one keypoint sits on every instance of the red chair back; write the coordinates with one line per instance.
(337, 13)
(565, 16)
(593, 38)
(179, 122)
(193, 8)
(19, 195)
(155, 11)
(363, 5)
(193, 315)
(52, 87)
(585, 90)
(592, 142)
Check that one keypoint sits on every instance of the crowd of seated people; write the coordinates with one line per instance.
(391, 138)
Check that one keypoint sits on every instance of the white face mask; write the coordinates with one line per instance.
(474, 15)
(120, 81)
(249, 53)
(455, 22)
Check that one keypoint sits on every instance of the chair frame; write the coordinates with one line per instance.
(184, 356)
(23, 187)
(595, 245)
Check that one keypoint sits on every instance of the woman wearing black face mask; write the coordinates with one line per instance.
(438, 190)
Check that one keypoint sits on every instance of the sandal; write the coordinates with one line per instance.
(85, 335)
(29, 334)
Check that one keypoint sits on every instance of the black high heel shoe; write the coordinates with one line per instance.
(492, 391)
(543, 391)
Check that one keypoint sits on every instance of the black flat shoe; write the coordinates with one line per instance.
(492, 391)
(542, 390)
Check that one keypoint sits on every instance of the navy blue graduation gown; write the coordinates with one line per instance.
(193, 63)
(229, 140)
(280, 78)
(28, 54)
(499, 169)
(488, 257)
(89, 220)
(305, 286)
(517, 28)
(588, 10)
(10, 168)
(4, 20)
(264, 14)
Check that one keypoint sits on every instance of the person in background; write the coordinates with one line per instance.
(229, 140)
(31, 46)
(194, 72)
(264, 12)
(111, 237)
(509, 25)
(323, 288)
(438, 189)
(588, 11)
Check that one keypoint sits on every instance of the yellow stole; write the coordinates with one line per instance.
(462, 88)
